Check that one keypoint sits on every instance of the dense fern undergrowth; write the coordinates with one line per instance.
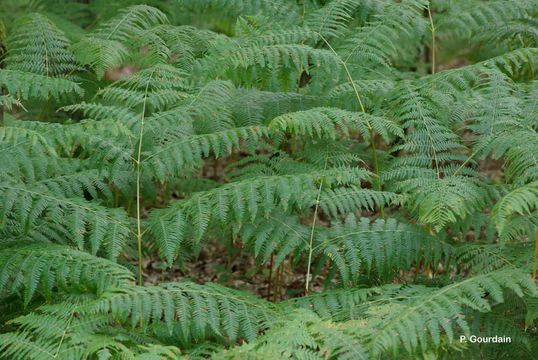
(384, 152)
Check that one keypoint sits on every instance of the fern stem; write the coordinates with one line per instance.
(138, 220)
(535, 254)
(363, 109)
(312, 230)
(473, 154)
(2, 54)
(57, 352)
(281, 270)
(138, 198)
(432, 29)
(269, 282)
(1, 109)
(310, 247)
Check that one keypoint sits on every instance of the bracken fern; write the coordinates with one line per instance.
(373, 161)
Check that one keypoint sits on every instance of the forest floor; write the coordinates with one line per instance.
(215, 264)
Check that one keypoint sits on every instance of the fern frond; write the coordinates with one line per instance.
(301, 335)
(87, 223)
(173, 157)
(199, 311)
(479, 259)
(102, 112)
(106, 47)
(352, 248)
(356, 244)
(515, 33)
(99, 54)
(227, 55)
(370, 90)
(378, 43)
(8, 102)
(129, 21)
(326, 122)
(347, 200)
(520, 160)
(33, 141)
(241, 201)
(416, 322)
(39, 47)
(385, 149)
(521, 200)
(440, 202)
(45, 268)
(331, 19)
(339, 304)
(158, 87)
(206, 107)
(495, 113)
(58, 332)
(474, 17)
(278, 9)
(517, 64)
(431, 144)
(25, 85)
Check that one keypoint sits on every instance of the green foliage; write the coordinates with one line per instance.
(38, 46)
(386, 318)
(24, 85)
(371, 163)
(522, 200)
(190, 311)
(325, 122)
(58, 202)
(48, 268)
(352, 247)
(240, 202)
(106, 46)
(421, 318)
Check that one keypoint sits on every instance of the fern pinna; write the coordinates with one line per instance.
(372, 164)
